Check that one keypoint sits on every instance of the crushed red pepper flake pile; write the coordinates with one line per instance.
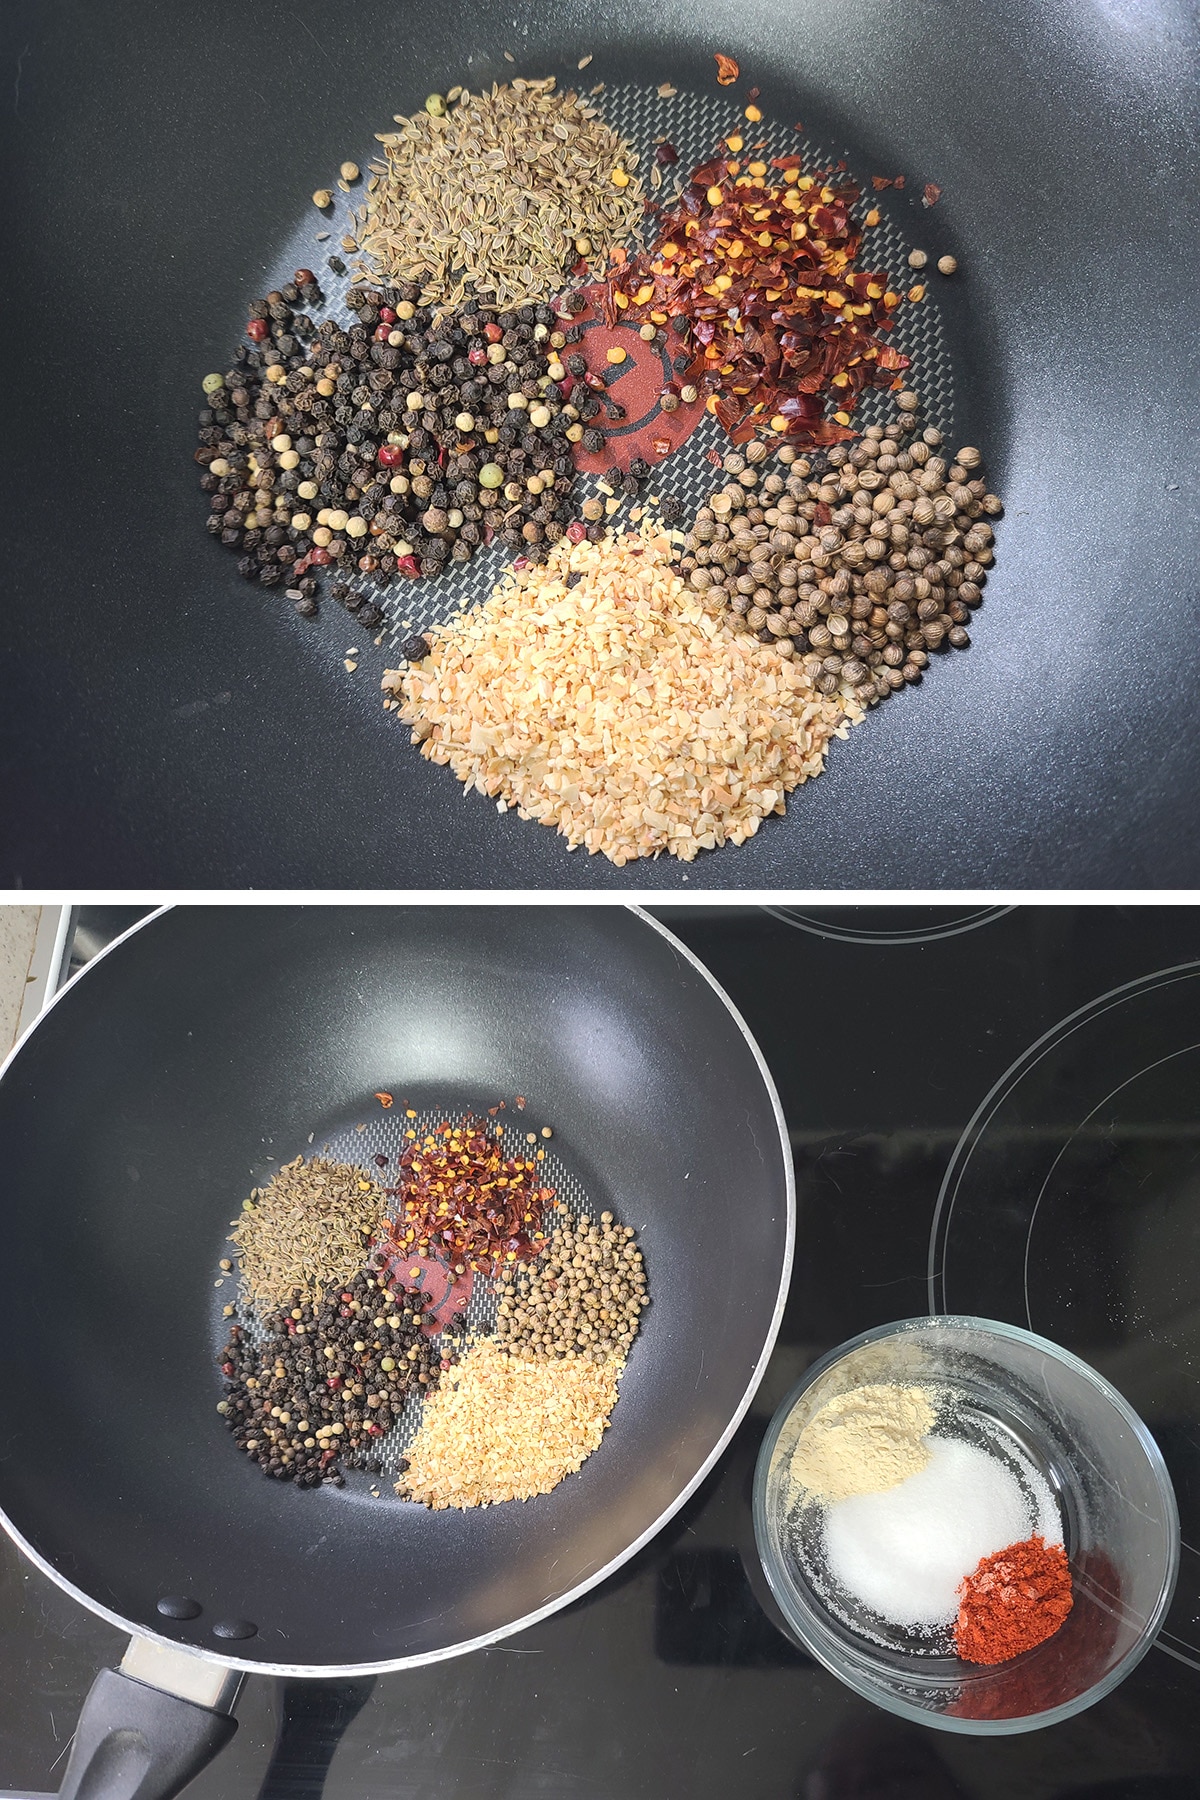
(756, 267)
(465, 1200)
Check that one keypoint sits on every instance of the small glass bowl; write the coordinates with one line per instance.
(1119, 1517)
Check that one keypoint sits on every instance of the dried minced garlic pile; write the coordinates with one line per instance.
(503, 1427)
(595, 693)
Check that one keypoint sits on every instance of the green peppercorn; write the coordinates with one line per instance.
(491, 475)
(212, 384)
(435, 106)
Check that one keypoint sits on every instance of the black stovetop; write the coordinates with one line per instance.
(885, 1030)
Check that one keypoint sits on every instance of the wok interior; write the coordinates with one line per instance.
(202, 1052)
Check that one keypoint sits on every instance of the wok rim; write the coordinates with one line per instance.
(391, 1665)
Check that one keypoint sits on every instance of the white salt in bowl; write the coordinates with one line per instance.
(1087, 1469)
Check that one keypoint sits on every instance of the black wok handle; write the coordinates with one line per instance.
(135, 1742)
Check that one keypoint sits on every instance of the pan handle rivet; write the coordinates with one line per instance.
(179, 1606)
(234, 1628)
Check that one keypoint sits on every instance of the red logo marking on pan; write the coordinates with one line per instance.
(636, 384)
(447, 1293)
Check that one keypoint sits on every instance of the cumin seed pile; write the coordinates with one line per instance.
(598, 694)
(496, 196)
(310, 1225)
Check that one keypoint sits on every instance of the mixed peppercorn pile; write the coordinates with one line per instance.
(398, 446)
(328, 1379)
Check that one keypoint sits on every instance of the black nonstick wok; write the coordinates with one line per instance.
(165, 725)
(176, 1072)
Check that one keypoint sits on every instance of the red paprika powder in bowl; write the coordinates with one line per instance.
(1014, 1601)
(1052, 1615)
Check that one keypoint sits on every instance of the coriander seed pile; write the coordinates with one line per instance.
(861, 562)
(583, 1298)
